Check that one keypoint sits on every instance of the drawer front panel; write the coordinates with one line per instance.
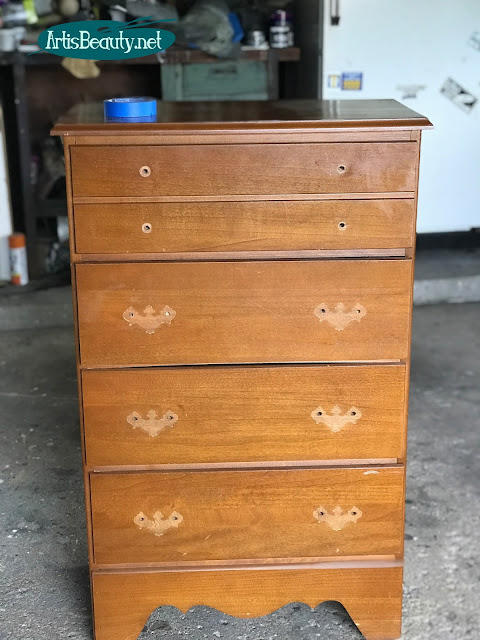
(227, 312)
(243, 414)
(227, 515)
(174, 227)
(244, 169)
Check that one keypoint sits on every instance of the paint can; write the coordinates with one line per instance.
(18, 259)
(256, 39)
(281, 30)
(8, 40)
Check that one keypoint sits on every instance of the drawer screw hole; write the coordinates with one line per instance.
(353, 413)
(147, 227)
(145, 171)
(342, 225)
(341, 168)
(319, 413)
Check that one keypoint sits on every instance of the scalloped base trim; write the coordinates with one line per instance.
(123, 602)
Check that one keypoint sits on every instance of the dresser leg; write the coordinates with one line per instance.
(124, 601)
(376, 620)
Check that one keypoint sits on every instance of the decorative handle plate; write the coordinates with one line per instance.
(339, 318)
(152, 424)
(335, 421)
(158, 525)
(337, 520)
(149, 322)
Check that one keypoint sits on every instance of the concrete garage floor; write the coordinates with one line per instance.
(44, 593)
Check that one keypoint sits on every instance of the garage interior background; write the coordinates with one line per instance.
(426, 54)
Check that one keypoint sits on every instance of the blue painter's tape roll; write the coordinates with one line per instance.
(130, 109)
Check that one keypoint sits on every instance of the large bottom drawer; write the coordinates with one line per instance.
(153, 517)
(215, 415)
(372, 596)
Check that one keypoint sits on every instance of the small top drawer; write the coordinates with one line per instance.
(301, 225)
(243, 169)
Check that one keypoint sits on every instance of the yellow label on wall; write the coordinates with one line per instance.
(352, 81)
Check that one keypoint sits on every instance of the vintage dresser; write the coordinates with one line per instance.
(243, 296)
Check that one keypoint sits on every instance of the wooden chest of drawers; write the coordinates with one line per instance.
(242, 290)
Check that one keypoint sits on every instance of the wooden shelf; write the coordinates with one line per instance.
(173, 55)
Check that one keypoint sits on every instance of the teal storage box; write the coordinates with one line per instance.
(223, 80)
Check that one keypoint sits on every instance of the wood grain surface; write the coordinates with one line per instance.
(243, 169)
(210, 135)
(234, 515)
(243, 414)
(124, 601)
(209, 256)
(228, 312)
(243, 226)
(87, 118)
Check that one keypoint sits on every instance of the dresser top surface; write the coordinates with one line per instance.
(296, 115)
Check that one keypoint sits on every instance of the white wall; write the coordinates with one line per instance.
(396, 43)
(5, 210)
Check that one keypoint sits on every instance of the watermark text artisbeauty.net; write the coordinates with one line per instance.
(85, 41)
(106, 39)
